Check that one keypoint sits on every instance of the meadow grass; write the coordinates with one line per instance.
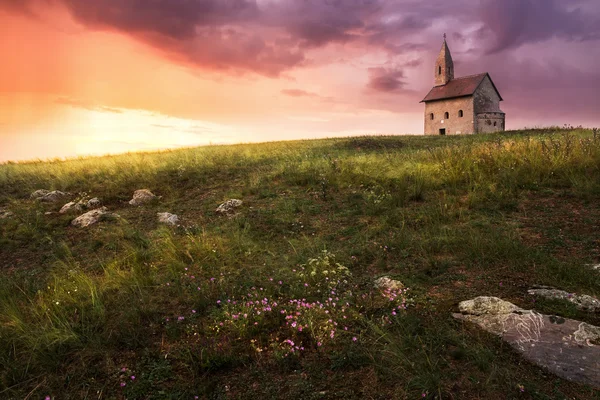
(278, 301)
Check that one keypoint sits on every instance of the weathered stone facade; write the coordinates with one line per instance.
(464, 105)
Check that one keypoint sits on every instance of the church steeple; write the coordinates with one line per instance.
(444, 66)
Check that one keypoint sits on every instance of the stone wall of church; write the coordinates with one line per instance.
(454, 124)
(489, 116)
(490, 122)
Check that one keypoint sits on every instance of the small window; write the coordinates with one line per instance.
(460, 113)
(488, 122)
(439, 70)
(446, 115)
(431, 116)
(494, 123)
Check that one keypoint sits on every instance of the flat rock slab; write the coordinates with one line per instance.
(142, 196)
(92, 217)
(581, 301)
(168, 218)
(565, 347)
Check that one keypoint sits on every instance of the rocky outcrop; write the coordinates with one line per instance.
(142, 196)
(49, 196)
(168, 218)
(229, 207)
(387, 283)
(582, 301)
(92, 217)
(565, 347)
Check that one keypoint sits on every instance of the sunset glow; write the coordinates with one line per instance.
(109, 76)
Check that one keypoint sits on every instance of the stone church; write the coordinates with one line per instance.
(466, 105)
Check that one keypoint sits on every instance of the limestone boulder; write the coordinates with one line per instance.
(565, 347)
(4, 213)
(229, 207)
(93, 203)
(92, 217)
(49, 196)
(386, 283)
(486, 305)
(142, 196)
(71, 207)
(581, 301)
(594, 267)
(168, 218)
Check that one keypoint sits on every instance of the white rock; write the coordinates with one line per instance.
(386, 283)
(487, 305)
(39, 193)
(142, 196)
(168, 218)
(228, 208)
(71, 206)
(4, 213)
(594, 267)
(93, 203)
(91, 217)
(565, 347)
(581, 301)
(47, 196)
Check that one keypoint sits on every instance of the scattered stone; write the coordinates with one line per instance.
(594, 267)
(486, 305)
(48, 213)
(71, 207)
(91, 217)
(142, 196)
(228, 208)
(566, 347)
(93, 203)
(168, 218)
(39, 193)
(386, 283)
(581, 301)
(4, 213)
(49, 196)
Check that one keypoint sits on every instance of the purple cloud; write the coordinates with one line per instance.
(512, 23)
(386, 80)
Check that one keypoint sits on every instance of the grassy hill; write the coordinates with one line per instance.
(278, 300)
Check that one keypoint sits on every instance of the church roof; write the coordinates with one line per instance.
(459, 87)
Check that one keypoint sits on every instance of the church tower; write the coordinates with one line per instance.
(444, 66)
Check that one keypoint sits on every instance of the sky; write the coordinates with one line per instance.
(81, 77)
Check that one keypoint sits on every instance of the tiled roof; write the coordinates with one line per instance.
(458, 87)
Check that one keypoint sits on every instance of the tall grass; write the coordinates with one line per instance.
(438, 213)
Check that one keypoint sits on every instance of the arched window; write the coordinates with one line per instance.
(446, 115)
(494, 123)
(439, 70)
(460, 113)
(431, 116)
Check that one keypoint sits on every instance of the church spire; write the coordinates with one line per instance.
(444, 66)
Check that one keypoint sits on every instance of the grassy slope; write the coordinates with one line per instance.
(452, 217)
